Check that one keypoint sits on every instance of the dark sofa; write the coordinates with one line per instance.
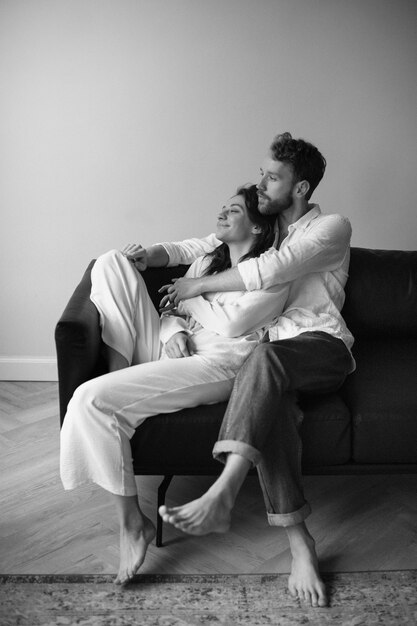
(369, 426)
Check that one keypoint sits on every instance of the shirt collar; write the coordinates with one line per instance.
(305, 220)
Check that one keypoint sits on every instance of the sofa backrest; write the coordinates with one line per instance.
(155, 277)
(381, 293)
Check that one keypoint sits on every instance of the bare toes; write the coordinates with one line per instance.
(323, 600)
(163, 512)
(292, 590)
(307, 597)
(314, 599)
(120, 579)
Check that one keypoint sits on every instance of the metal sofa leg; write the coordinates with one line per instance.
(162, 489)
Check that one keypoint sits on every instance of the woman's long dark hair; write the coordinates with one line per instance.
(220, 257)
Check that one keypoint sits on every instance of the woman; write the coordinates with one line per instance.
(187, 357)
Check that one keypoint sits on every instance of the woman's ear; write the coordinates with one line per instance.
(256, 229)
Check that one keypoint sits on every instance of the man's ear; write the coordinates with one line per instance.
(301, 188)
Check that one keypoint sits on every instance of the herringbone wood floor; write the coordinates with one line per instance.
(360, 523)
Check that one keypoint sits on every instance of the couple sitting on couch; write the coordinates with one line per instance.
(248, 283)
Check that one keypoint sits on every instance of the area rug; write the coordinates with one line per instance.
(358, 599)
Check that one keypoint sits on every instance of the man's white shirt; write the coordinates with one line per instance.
(313, 258)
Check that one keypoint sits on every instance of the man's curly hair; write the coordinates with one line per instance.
(306, 161)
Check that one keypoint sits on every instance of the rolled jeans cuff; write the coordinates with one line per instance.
(223, 448)
(289, 519)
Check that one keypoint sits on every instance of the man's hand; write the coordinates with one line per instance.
(137, 254)
(180, 289)
(177, 346)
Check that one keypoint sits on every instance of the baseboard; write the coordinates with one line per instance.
(28, 368)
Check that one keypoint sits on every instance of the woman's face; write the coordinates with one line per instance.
(233, 223)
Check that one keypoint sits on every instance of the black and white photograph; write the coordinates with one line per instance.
(208, 321)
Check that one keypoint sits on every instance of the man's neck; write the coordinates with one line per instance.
(290, 216)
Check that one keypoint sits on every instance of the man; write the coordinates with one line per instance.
(308, 351)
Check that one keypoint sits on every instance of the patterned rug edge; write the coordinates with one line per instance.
(184, 578)
(376, 598)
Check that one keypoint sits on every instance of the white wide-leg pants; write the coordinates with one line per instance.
(105, 411)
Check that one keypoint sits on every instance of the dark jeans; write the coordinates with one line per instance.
(262, 418)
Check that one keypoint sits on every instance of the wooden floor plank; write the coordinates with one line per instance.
(359, 522)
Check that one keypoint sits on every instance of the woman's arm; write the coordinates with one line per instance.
(187, 251)
(170, 253)
(170, 325)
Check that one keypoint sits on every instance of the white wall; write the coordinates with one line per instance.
(131, 120)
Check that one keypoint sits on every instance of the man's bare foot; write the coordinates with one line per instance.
(212, 512)
(305, 581)
(134, 541)
(208, 514)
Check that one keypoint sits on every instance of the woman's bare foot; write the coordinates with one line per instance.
(208, 514)
(135, 537)
(305, 581)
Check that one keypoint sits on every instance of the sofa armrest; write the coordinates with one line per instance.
(78, 334)
(78, 342)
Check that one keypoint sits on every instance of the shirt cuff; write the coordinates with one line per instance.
(174, 257)
(170, 325)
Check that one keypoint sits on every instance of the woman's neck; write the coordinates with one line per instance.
(238, 250)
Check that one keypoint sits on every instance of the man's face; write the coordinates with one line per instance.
(275, 187)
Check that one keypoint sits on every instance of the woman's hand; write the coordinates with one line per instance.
(180, 289)
(137, 254)
(177, 346)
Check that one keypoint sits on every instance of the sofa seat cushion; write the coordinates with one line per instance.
(382, 397)
(182, 442)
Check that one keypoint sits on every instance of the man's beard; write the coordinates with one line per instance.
(274, 207)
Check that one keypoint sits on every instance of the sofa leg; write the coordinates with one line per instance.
(162, 489)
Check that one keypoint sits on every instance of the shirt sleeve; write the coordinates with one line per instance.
(170, 325)
(249, 312)
(187, 251)
(323, 247)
